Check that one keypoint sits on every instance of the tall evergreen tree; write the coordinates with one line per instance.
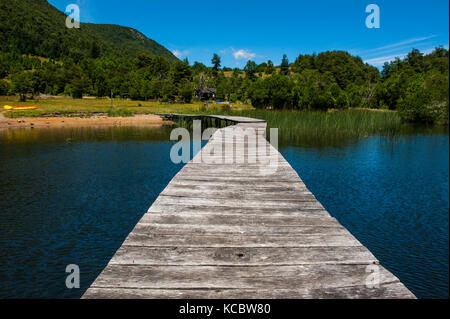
(250, 70)
(284, 67)
(270, 69)
(216, 63)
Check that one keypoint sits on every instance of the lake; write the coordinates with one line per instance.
(71, 196)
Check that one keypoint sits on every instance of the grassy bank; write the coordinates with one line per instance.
(301, 127)
(89, 107)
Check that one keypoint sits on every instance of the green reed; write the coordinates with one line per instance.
(327, 128)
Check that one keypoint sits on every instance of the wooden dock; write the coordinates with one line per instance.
(229, 230)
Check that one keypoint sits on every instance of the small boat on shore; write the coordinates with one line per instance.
(19, 108)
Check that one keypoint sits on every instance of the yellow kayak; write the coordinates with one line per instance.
(8, 107)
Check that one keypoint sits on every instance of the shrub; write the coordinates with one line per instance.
(185, 91)
(341, 102)
(4, 88)
(426, 100)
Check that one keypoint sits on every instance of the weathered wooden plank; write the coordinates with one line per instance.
(222, 191)
(225, 240)
(238, 185)
(240, 230)
(231, 170)
(243, 173)
(234, 166)
(233, 256)
(239, 179)
(254, 188)
(395, 290)
(224, 202)
(227, 210)
(267, 195)
(238, 277)
(180, 218)
(237, 230)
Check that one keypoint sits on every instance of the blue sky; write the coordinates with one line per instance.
(263, 30)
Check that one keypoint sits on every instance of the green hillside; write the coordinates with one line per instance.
(35, 27)
(129, 40)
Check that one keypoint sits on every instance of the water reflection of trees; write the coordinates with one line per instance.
(93, 134)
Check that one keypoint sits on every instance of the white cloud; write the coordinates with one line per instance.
(382, 59)
(180, 54)
(243, 54)
(395, 48)
(402, 43)
(378, 56)
(379, 61)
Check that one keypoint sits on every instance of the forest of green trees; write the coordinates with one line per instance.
(39, 55)
(417, 86)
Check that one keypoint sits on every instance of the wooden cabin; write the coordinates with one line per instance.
(205, 94)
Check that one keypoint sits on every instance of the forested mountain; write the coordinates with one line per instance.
(36, 27)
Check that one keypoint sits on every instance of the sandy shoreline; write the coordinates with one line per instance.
(42, 122)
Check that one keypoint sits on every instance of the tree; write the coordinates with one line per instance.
(95, 50)
(236, 73)
(4, 66)
(342, 101)
(168, 90)
(392, 89)
(216, 63)
(185, 91)
(250, 70)
(22, 84)
(100, 84)
(415, 60)
(426, 99)
(259, 93)
(261, 67)
(180, 71)
(270, 69)
(159, 67)
(4, 88)
(312, 90)
(199, 67)
(303, 62)
(224, 87)
(148, 89)
(280, 91)
(80, 86)
(143, 60)
(284, 67)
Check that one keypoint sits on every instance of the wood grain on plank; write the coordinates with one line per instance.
(230, 226)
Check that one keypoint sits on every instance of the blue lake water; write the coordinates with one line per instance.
(71, 196)
(392, 195)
